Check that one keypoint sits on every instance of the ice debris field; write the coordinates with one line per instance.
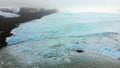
(58, 36)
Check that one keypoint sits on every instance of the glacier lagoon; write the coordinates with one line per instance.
(64, 38)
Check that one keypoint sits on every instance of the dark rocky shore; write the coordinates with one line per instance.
(26, 14)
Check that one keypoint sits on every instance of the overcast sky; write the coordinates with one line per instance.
(62, 3)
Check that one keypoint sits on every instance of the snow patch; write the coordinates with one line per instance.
(8, 15)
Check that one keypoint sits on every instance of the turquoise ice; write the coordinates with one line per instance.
(65, 24)
(60, 35)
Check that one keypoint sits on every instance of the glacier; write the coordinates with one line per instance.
(58, 37)
(65, 24)
(100, 48)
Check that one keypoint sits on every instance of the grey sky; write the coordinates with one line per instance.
(62, 3)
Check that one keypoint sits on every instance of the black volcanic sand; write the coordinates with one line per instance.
(7, 24)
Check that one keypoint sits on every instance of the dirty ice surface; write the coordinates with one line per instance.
(8, 14)
(100, 49)
(58, 36)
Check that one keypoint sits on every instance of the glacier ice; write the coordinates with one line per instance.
(65, 24)
(60, 50)
(57, 37)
